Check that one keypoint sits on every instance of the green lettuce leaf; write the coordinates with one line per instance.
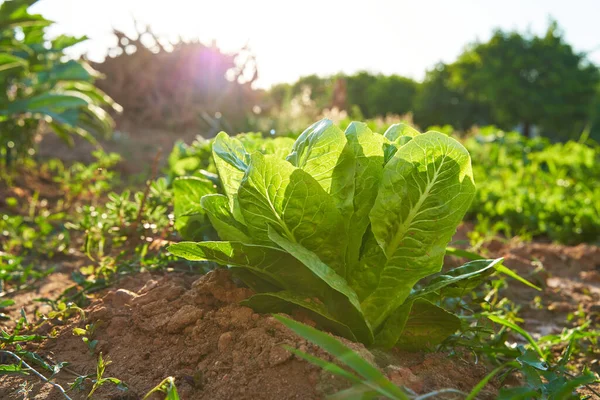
(217, 208)
(344, 304)
(289, 301)
(275, 193)
(427, 326)
(417, 325)
(190, 218)
(457, 280)
(397, 135)
(322, 151)
(426, 189)
(368, 155)
(231, 160)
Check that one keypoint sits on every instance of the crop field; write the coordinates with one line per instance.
(299, 252)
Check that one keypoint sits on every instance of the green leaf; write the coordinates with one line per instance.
(190, 218)
(368, 171)
(68, 71)
(6, 303)
(255, 279)
(168, 387)
(346, 307)
(288, 302)
(397, 135)
(11, 369)
(45, 102)
(417, 325)
(392, 328)
(472, 272)
(221, 218)
(427, 326)
(364, 277)
(275, 193)
(322, 152)
(565, 389)
(188, 192)
(231, 160)
(62, 42)
(519, 330)
(9, 61)
(506, 271)
(426, 189)
(372, 377)
(400, 134)
(274, 265)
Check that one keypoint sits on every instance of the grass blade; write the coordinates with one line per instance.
(519, 330)
(373, 377)
(487, 378)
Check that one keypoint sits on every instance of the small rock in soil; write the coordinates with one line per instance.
(278, 355)
(224, 341)
(122, 297)
(186, 315)
(402, 376)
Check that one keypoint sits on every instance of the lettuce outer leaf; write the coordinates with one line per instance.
(343, 303)
(457, 278)
(274, 193)
(269, 263)
(364, 277)
(217, 208)
(427, 326)
(288, 302)
(231, 160)
(426, 189)
(190, 218)
(418, 324)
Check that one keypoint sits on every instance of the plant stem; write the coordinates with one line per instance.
(42, 377)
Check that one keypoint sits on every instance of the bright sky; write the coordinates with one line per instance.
(291, 39)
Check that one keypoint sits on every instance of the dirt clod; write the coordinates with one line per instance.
(403, 376)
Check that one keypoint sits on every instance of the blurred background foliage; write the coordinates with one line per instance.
(533, 84)
(40, 89)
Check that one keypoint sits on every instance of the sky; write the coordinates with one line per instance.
(293, 39)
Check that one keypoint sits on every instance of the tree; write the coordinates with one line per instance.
(438, 102)
(529, 80)
(358, 90)
(390, 95)
(321, 89)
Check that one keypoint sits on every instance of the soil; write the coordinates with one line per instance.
(195, 330)
(154, 326)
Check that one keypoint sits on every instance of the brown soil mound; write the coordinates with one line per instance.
(215, 348)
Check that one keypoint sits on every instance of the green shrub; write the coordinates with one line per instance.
(39, 88)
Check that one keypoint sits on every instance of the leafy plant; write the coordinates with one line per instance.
(167, 386)
(98, 379)
(535, 188)
(38, 85)
(343, 228)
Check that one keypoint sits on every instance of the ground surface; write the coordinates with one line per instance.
(191, 327)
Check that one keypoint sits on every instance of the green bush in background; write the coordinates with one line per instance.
(40, 88)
